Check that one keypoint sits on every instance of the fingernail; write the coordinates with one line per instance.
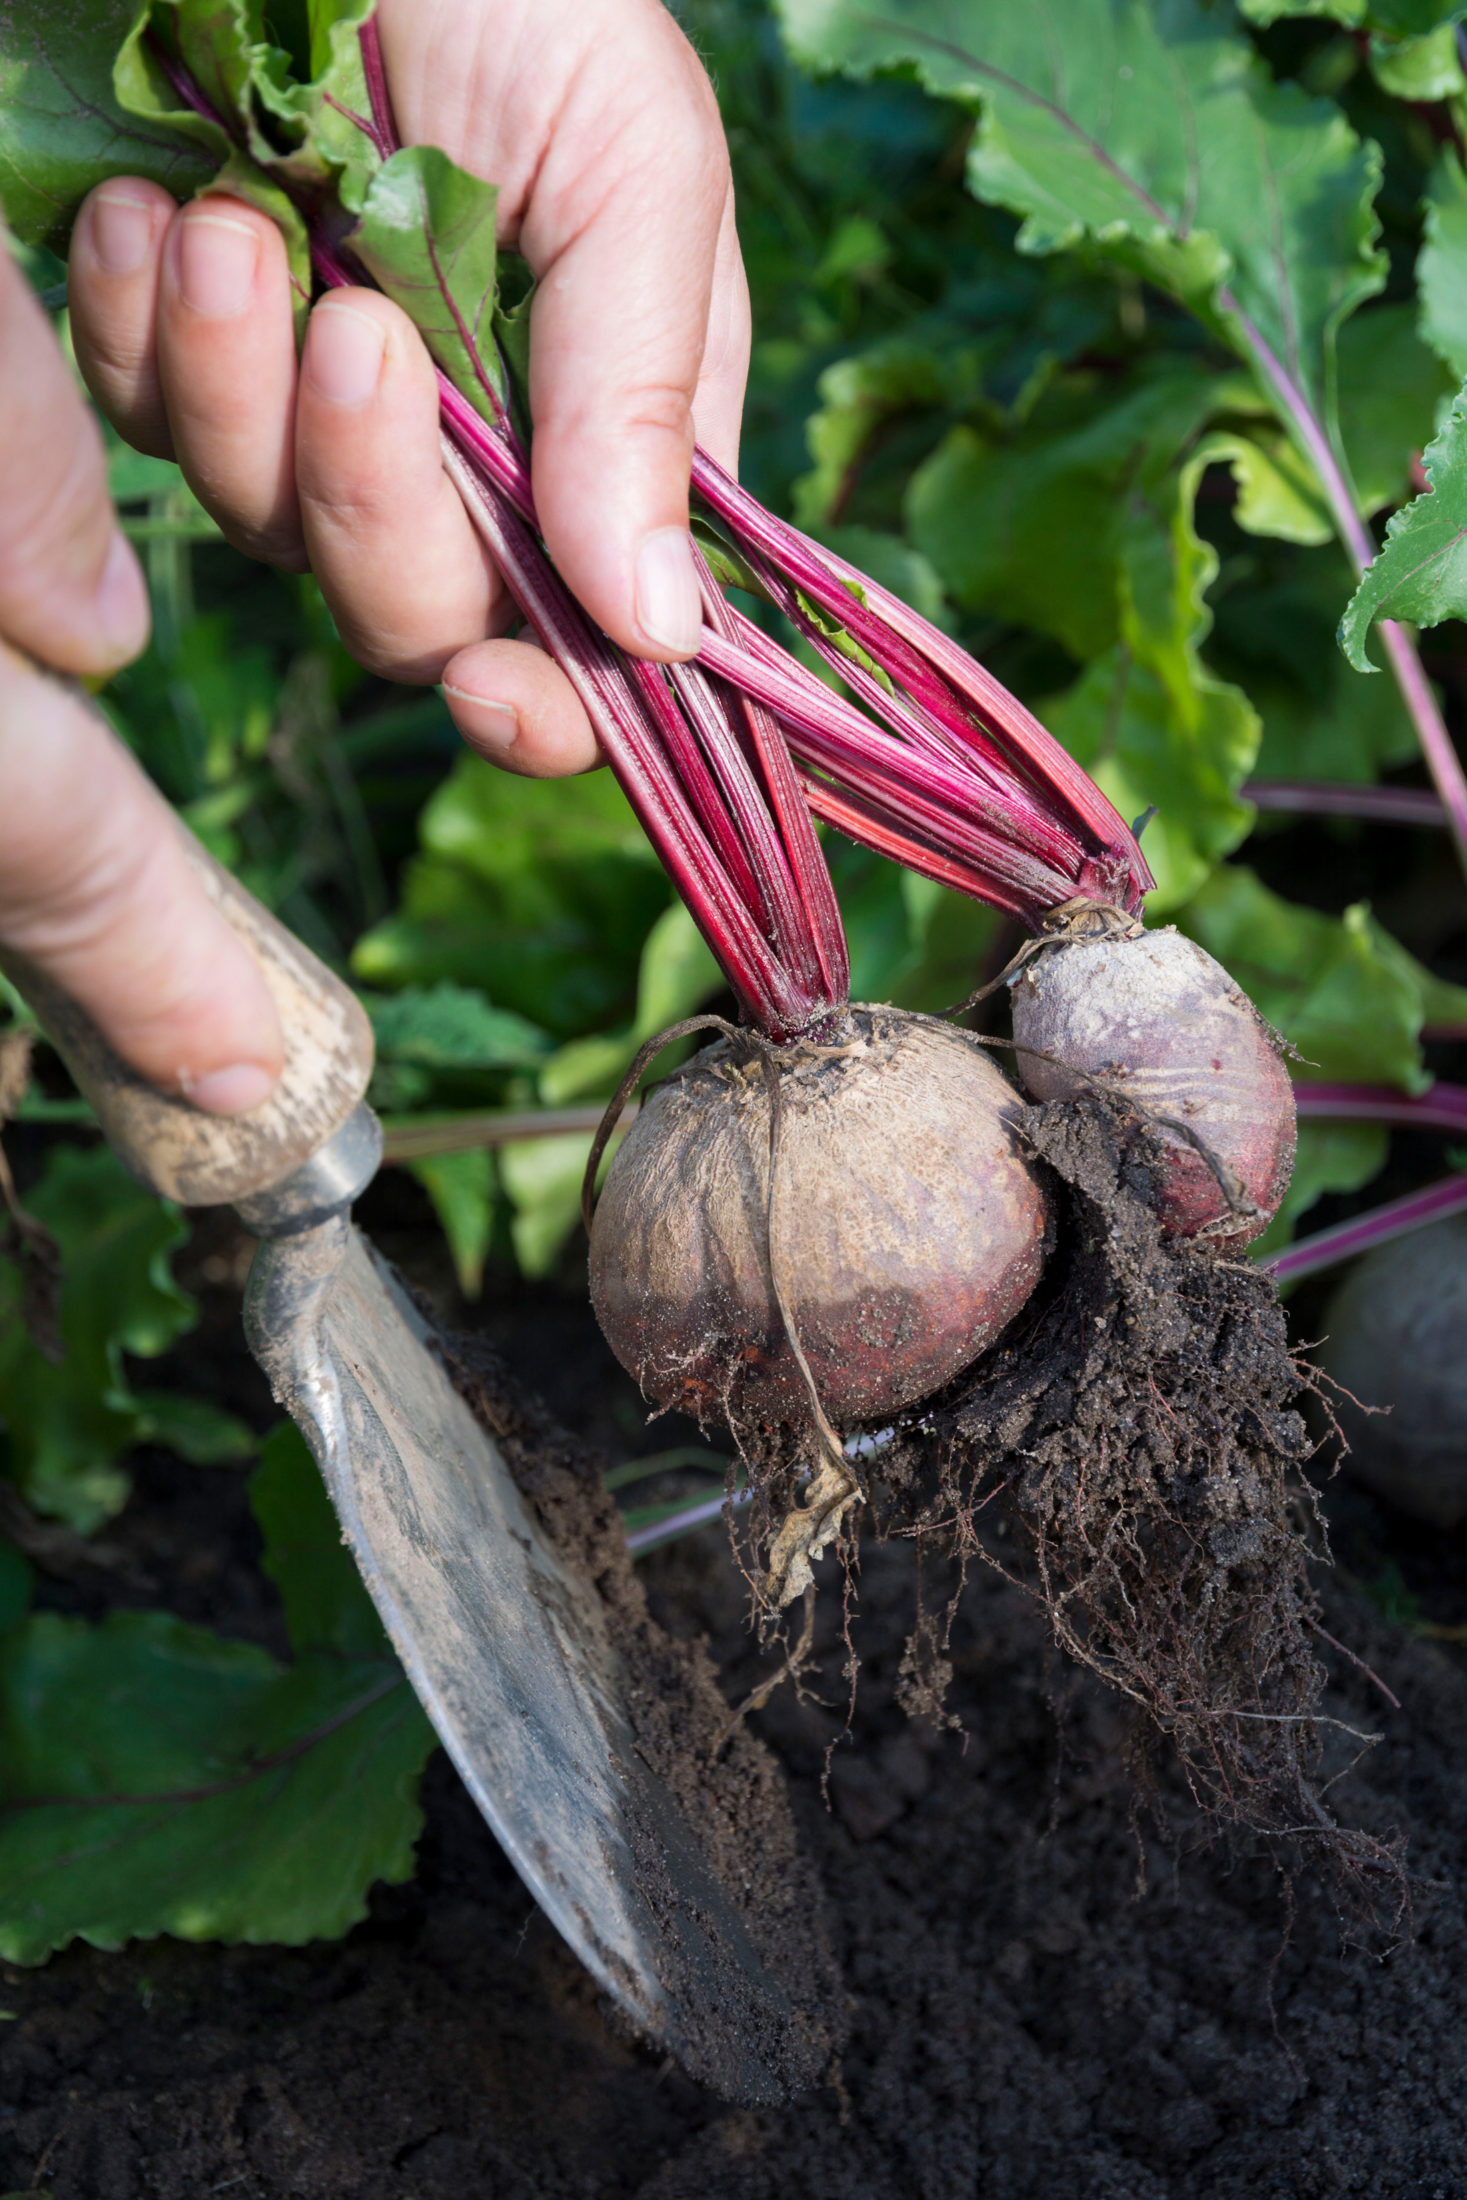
(669, 604)
(488, 725)
(232, 1091)
(122, 230)
(217, 260)
(121, 603)
(344, 354)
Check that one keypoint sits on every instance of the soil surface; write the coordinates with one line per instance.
(1044, 1998)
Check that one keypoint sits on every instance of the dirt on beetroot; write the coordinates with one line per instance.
(1141, 1425)
(1046, 1995)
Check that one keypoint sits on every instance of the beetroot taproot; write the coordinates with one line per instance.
(906, 1229)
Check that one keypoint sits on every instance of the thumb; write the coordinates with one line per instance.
(97, 891)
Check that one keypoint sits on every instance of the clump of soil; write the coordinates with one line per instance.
(1141, 1421)
(725, 1783)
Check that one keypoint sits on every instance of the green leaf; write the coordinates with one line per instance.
(1331, 1157)
(1391, 389)
(1321, 719)
(542, 1177)
(1398, 18)
(1030, 528)
(1441, 268)
(326, 1605)
(62, 128)
(1148, 720)
(427, 233)
(157, 1779)
(543, 891)
(320, 110)
(677, 974)
(1420, 573)
(1419, 69)
(1145, 131)
(461, 1187)
(858, 396)
(66, 1426)
(197, 1430)
(1278, 490)
(448, 1026)
(1340, 989)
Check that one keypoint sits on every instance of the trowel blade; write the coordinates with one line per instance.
(507, 1650)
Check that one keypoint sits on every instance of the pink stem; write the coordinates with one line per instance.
(1324, 798)
(778, 1004)
(1346, 1239)
(374, 69)
(1443, 1108)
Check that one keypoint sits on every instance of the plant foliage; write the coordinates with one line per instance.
(1094, 329)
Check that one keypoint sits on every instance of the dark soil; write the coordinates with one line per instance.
(1046, 2001)
(1141, 1421)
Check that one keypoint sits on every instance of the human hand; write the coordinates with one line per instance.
(598, 123)
(95, 887)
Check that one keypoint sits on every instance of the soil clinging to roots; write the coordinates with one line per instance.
(1141, 1421)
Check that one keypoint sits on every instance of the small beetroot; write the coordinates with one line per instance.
(1152, 1016)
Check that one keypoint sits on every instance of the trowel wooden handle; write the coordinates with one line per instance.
(212, 1160)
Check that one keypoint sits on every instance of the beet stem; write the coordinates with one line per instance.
(1326, 1248)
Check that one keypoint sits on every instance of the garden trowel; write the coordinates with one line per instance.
(504, 1644)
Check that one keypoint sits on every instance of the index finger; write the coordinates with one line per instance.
(70, 589)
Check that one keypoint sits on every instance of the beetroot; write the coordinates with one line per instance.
(1151, 1015)
(907, 1225)
(1393, 1342)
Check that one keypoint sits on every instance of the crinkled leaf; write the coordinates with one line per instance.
(1029, 528)
(1278, 490)
(461, 1187)
(1399, 18)
(448, 1026)
(326, 1604)
(217, 39)
(62, 127)
(543, 891)
(1391, 389)
(1419, 69)
(1441, 268)
(1321, 719)
(427, 234)
(1420, 573)
(66, 1426)
(859, 396)
(157, 1779)
(327, 107)
(1151, 132)
(1340, 989)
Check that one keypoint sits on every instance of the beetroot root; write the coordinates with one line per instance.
(1155, 1018)
(908, 1226)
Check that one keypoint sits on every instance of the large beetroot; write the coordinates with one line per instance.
(905, 1230)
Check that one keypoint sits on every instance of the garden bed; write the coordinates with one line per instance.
(1047, 1997)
